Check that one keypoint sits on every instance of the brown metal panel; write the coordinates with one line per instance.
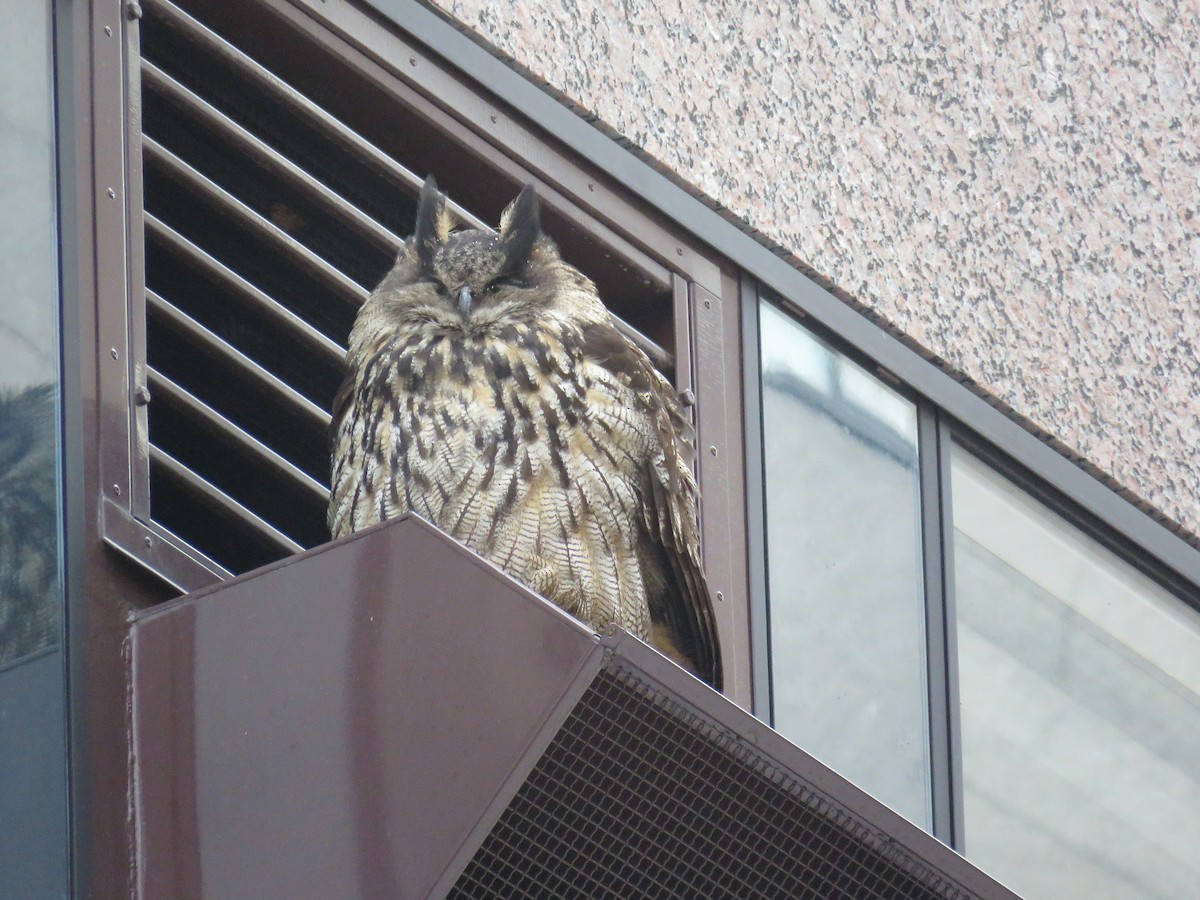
(173, 657)
(336, 725)
(719, 451)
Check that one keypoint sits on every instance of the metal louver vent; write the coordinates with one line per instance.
(639, 796)
(258, 251)
(267, 220)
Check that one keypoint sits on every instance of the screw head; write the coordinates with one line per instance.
(116, 489)
(712, 450)
(112, 194)
(114, 354)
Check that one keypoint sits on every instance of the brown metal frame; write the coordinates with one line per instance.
(101, 592)
(121, 312)
(107, 384)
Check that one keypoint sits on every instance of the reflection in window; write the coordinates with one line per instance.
(843, 550)
(29, 596)
(1080, 688)
(33, 841)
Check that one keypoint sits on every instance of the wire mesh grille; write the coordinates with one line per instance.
(637, 796)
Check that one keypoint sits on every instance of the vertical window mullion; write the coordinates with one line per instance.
(957, 834)
(937, 544)
(756, 526)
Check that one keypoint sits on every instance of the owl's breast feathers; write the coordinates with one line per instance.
(554, 449)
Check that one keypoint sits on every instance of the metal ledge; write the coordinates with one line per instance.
(391, 715)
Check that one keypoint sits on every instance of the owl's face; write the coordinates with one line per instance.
(480, 273)
(470, 281)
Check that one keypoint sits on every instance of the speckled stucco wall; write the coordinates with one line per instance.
(1014, 185)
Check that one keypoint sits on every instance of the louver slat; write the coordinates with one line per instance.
(155, 81)
(162, 388)
(284, 244)
(203, 492)
(313, 116)
(199, 336)
(289, 325)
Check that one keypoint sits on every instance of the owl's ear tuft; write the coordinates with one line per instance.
(521, 226)
(434, 221)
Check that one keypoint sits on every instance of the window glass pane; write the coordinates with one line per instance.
(1080, 688)
(843, 550)
(33, 839)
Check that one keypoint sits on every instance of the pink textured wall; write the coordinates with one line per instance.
(1015, 186)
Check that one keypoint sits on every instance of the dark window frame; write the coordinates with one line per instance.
(938, 431)
(937, 565)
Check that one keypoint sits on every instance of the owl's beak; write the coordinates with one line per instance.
(465, 299)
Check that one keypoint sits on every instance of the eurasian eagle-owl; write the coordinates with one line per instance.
(490, 392)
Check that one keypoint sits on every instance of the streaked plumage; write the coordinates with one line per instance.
(489, 392)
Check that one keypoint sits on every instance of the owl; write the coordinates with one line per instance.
(489, 391)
